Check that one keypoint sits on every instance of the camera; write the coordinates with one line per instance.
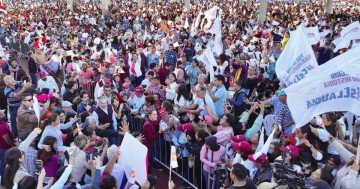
(91, 103)
(219, 170)
(287, 176)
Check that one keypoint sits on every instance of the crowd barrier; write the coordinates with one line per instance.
(19, 47)
(189, 168)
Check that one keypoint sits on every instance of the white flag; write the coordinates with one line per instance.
(266, 146)
(296, 60)
(207, 57)
(333, 86)
(173, 158)
(218, 46)
(312, 35)
(351, 31)
(261, 140)
(36, 107)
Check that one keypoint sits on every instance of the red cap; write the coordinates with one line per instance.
(242, 146)
(238, 138)
(162, 112)
(262, 159)
(291, 149)
(187, 126)
(138, 90)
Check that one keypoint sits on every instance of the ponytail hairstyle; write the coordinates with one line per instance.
(12, 157)
(52, 118)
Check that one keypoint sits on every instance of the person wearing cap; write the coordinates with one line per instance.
(211, 155)
(26, 119)
(136, 101)
(47, 82)
(264, 171)
(156, 87)
(67, 107)
(239, 176)
(13, 91)
(171, 57)
(291, 154)
(282, 113)
(6, 142)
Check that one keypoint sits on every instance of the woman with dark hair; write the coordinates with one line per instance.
(30, 182)
(332, 128)
(150, 133)
(182, 96)
(323, 174)
(108, 182)
(115, 43)
(238, 101)
(53, 128)
(118, 108)
(223, 66)
(180, 73)
(49, 158)
(146, 108)
(193, 72)
(171, 86)
(305, 140)
(14, 157)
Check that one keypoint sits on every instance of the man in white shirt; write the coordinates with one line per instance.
(47, 82)
(136, 101)
(201, 102)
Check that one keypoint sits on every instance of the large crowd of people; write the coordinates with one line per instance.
(99, 73)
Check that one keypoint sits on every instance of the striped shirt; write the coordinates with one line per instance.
(9, 93)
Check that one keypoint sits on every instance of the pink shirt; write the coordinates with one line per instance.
(223, 135)
(86, 75)
(210, 158)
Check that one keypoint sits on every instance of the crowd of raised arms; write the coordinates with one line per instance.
(99, 72)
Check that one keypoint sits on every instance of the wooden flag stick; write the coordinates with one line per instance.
(358, 152)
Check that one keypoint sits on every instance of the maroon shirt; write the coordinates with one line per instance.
(5, 129)
(150, 133)
(162, 75)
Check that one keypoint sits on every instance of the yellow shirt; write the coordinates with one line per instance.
(284, 42)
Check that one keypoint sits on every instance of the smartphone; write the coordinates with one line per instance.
(46, 180)
(94, 152)
(38, 166)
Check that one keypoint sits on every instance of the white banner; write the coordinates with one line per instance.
(351, 31)
(128, 161)
(312, 35)
(296, 60)
(173, 158)
(218, 46)
(333, 86)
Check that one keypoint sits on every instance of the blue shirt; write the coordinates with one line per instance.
(193, 73)
(275, 101)
(220, 93)
(153, 58)
(9, 93)
(170, 57)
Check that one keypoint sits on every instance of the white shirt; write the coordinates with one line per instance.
(118, 173)
(136, 102)
(209, 102)
(170, 93)
(50, 83)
